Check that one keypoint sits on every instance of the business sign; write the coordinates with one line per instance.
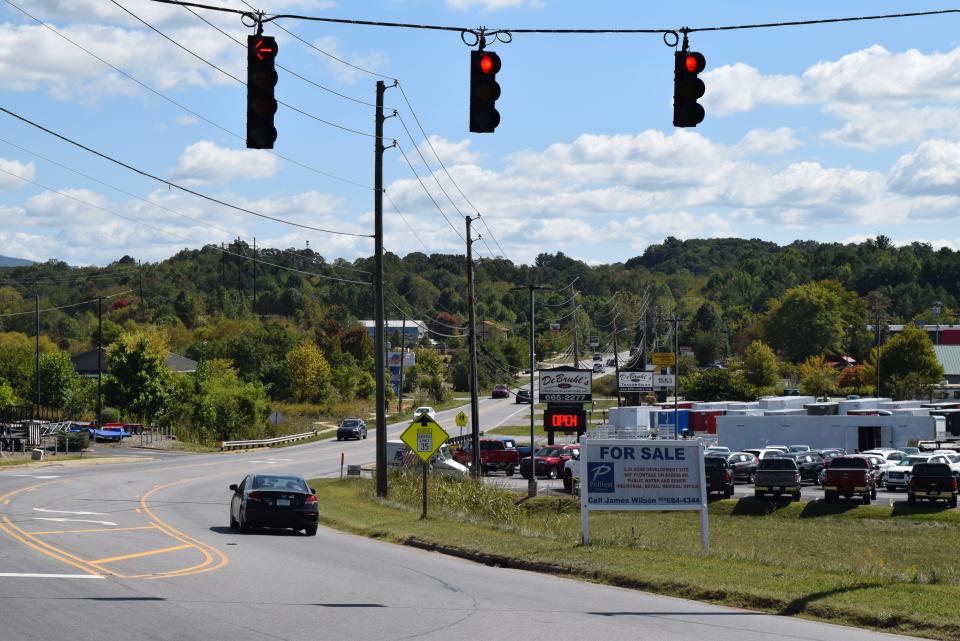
(562, 418)
(565, 385)
(554, 327)
(393, 359)
(663, 381)
(636, 381)
(663, 359)
(633, 474)
(594, 341)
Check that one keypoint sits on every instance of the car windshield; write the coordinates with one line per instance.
(848, 463)
(713, 461)
(422, 410)
(910, 461)
(771, 463)
(350, 423)
(550, 451)
(279, 483)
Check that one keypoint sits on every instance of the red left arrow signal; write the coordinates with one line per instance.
(265, 50)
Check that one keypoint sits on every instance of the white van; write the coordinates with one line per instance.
(441, 462)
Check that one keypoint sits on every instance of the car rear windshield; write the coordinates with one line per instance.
(713, 461)
(279, 483)
(849, 463)
(491, 445)
(776, 463)
(932, 469)
(551, 451)
(910, 461)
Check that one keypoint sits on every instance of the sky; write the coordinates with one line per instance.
(835, 133)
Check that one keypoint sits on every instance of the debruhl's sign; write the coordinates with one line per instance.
(631, 474)
(566, 385)
(630, 381)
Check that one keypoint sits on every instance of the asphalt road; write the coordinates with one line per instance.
(93, 552)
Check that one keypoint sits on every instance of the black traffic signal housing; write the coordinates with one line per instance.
(687, 88)
(484, 91)
(261, 103)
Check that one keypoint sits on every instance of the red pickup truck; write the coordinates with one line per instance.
(495, 454)
(850, 476)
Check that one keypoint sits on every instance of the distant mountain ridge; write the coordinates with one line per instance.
(8, 261)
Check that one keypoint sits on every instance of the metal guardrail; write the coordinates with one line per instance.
(263, 442)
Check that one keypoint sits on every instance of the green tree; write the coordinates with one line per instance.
(853, 378)
(308, 372)
(908, 364)
(138, 378)
(715, 385)
(816, 377)
(7, 397)
(57, 379)
(760, 367)
(808, 320)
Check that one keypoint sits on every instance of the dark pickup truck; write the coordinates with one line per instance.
(719, 475)
(777, 476)
(932, 482)
(850, 476)
(495, 454)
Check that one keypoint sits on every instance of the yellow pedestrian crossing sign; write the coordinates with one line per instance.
(424, 437)
(461, 419)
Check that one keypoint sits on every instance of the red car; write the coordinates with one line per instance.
(549, 460)
(500, 391)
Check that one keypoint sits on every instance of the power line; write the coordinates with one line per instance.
(230, 75)
(427, 192)
(51, 309)
(173, 184)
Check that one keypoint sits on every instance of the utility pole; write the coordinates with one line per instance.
(616, 359)
(378, 336)
(140, 275)
(676, 375)
(878, 351)
(576, 330)
(100, 361)
(403, 344)
(254, 309)
(475, 470)
(37, 355)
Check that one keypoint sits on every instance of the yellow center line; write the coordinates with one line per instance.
(104, 529)
(30, 488)
(137, 555)
(15, 532)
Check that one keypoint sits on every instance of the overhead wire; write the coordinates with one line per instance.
(173, 184)
(51, 309)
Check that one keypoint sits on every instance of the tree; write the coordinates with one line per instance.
(7, 397)
(809, 320)
(853, 377)
(308, 372)
(760, 367)
(57, 379)
(715, 385)
(908, 364)
(138, 378)
(816, 377)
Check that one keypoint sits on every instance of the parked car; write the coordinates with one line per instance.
(932, 482)
(880, 466)
(274, 500)
(598, 357)
(523, 396)
(763, 453)
(799, 448)
(888, 454)
(848, 476)
(549, 461)
(400, 455)
(744, 466)
(782, 448)
(571, 473)
(719, 475)
(598, 368)
(898, 476)
(777, 475)
(611, 362)
(500, 391)
(352, 428)
(910, 451)
(717, 449)
(808, 464)
(495, 455)
(953, 460)
(429, 411)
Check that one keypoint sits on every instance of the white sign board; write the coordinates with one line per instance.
(663, 381)
(565, 386)
(633, 474)
(631, 381)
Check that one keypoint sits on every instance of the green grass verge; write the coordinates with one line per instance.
(26, 460)
(870, 566)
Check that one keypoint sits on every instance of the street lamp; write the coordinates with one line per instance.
(937, 308)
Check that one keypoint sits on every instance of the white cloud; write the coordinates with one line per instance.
(933, 168)
(739, 87)
(767, 141)
(451, 153)
(10, 169)
(345, 74)
(186, 120)
(206, 162)
(493, 5)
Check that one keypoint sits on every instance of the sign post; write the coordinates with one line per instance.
(630, 474)
(424, 437)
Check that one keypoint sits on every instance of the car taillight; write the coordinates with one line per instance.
(726, 475)
(311, 498)
(256, 496)
(954, 484)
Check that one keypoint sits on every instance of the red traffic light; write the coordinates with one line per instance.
(490, 63)
(265, 48)
(695, 62)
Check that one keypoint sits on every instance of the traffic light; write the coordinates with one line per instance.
(261, 104)
(484, 91)
(687, 88)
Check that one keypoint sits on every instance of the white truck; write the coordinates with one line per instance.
(401, 456)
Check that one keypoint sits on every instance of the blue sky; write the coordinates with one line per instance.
(833, 133)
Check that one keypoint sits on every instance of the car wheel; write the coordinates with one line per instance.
(509, 470)
(243, 525)
(310, 530)
(873, 494)
(796, 496)
(364, 436)
(866, 499)
(727, 493)
(829, 497)
(552, 473)
(567, 481)
(750, 478)
(953, 501)
(339, 438)
(233, 522)
(911, 500)
(484, 469)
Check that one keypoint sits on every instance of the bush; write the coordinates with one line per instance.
(73, 441)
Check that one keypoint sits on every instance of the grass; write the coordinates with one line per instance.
(26, 460)
(886, 568)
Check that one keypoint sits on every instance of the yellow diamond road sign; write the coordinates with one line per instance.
(461, 419)
(424, 437)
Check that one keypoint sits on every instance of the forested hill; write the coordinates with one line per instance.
(7, 261)
(736, 279)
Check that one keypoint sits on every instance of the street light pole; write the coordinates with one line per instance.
(532, 483)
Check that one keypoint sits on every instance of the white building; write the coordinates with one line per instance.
(852, 433)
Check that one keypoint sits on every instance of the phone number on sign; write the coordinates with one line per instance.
(565, 397)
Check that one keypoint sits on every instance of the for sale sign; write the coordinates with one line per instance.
(633, 474)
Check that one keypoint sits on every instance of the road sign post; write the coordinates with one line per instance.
(424, 437)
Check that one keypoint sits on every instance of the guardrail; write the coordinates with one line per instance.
(263, 442)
